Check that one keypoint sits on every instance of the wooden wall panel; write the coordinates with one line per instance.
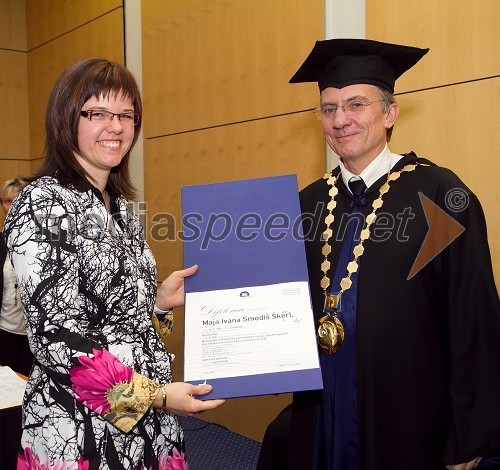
(275, 146)
(14, 140)
(102, 37)
(11, 168)
(12, 25)
(14, 137)
(463, 37)
(219, 62)
(457, 127)
(49, 19)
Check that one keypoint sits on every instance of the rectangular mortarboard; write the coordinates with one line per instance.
(341, 62)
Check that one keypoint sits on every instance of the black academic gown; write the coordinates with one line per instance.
(427, 348)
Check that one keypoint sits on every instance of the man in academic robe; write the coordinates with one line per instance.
(403, 294)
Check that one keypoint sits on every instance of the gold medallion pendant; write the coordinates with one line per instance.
(330, 334)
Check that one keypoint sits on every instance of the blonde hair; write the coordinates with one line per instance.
(14, 183)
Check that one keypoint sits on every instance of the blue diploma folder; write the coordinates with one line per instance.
(244, 234)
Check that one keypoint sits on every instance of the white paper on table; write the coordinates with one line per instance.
(249, 331)
(12, 388)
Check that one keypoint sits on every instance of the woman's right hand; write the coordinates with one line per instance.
(181, 399)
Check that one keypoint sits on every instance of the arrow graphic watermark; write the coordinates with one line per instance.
(443, 230)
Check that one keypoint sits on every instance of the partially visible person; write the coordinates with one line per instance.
(10, 189)
(14, 347)
(100, 394)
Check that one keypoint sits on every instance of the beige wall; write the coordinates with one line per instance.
(450, 101)
(14, 135)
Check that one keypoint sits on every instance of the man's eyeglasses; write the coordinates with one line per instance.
(354, 108)
(95, 115)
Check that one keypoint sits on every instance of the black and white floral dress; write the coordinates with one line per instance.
(87, 280)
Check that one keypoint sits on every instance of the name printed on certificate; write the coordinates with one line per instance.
(249, 331)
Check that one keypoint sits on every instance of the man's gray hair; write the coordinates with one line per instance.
(387, 100)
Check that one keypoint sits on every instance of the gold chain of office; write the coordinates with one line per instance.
(331, 331)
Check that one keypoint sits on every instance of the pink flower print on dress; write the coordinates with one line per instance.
(97, 377)
(176, 461)
(29, 461)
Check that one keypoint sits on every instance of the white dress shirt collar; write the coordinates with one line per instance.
(380, 166)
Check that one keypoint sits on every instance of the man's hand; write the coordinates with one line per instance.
(465, 466)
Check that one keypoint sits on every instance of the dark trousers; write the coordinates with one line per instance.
(274, 449)
(10, 437)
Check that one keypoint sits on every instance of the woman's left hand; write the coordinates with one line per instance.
(171, 290)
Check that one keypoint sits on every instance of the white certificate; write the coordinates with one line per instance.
(250, 331)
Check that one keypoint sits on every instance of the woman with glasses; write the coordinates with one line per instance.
(100, 393)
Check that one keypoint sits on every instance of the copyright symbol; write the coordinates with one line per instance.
(456, 200)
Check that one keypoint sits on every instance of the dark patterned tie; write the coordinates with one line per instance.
(357, 188)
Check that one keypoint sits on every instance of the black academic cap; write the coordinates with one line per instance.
(341, 62)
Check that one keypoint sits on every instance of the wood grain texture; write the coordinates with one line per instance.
(220, 62)
(49, 19)
(463, 37)
(14, 121)
(13, 25)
